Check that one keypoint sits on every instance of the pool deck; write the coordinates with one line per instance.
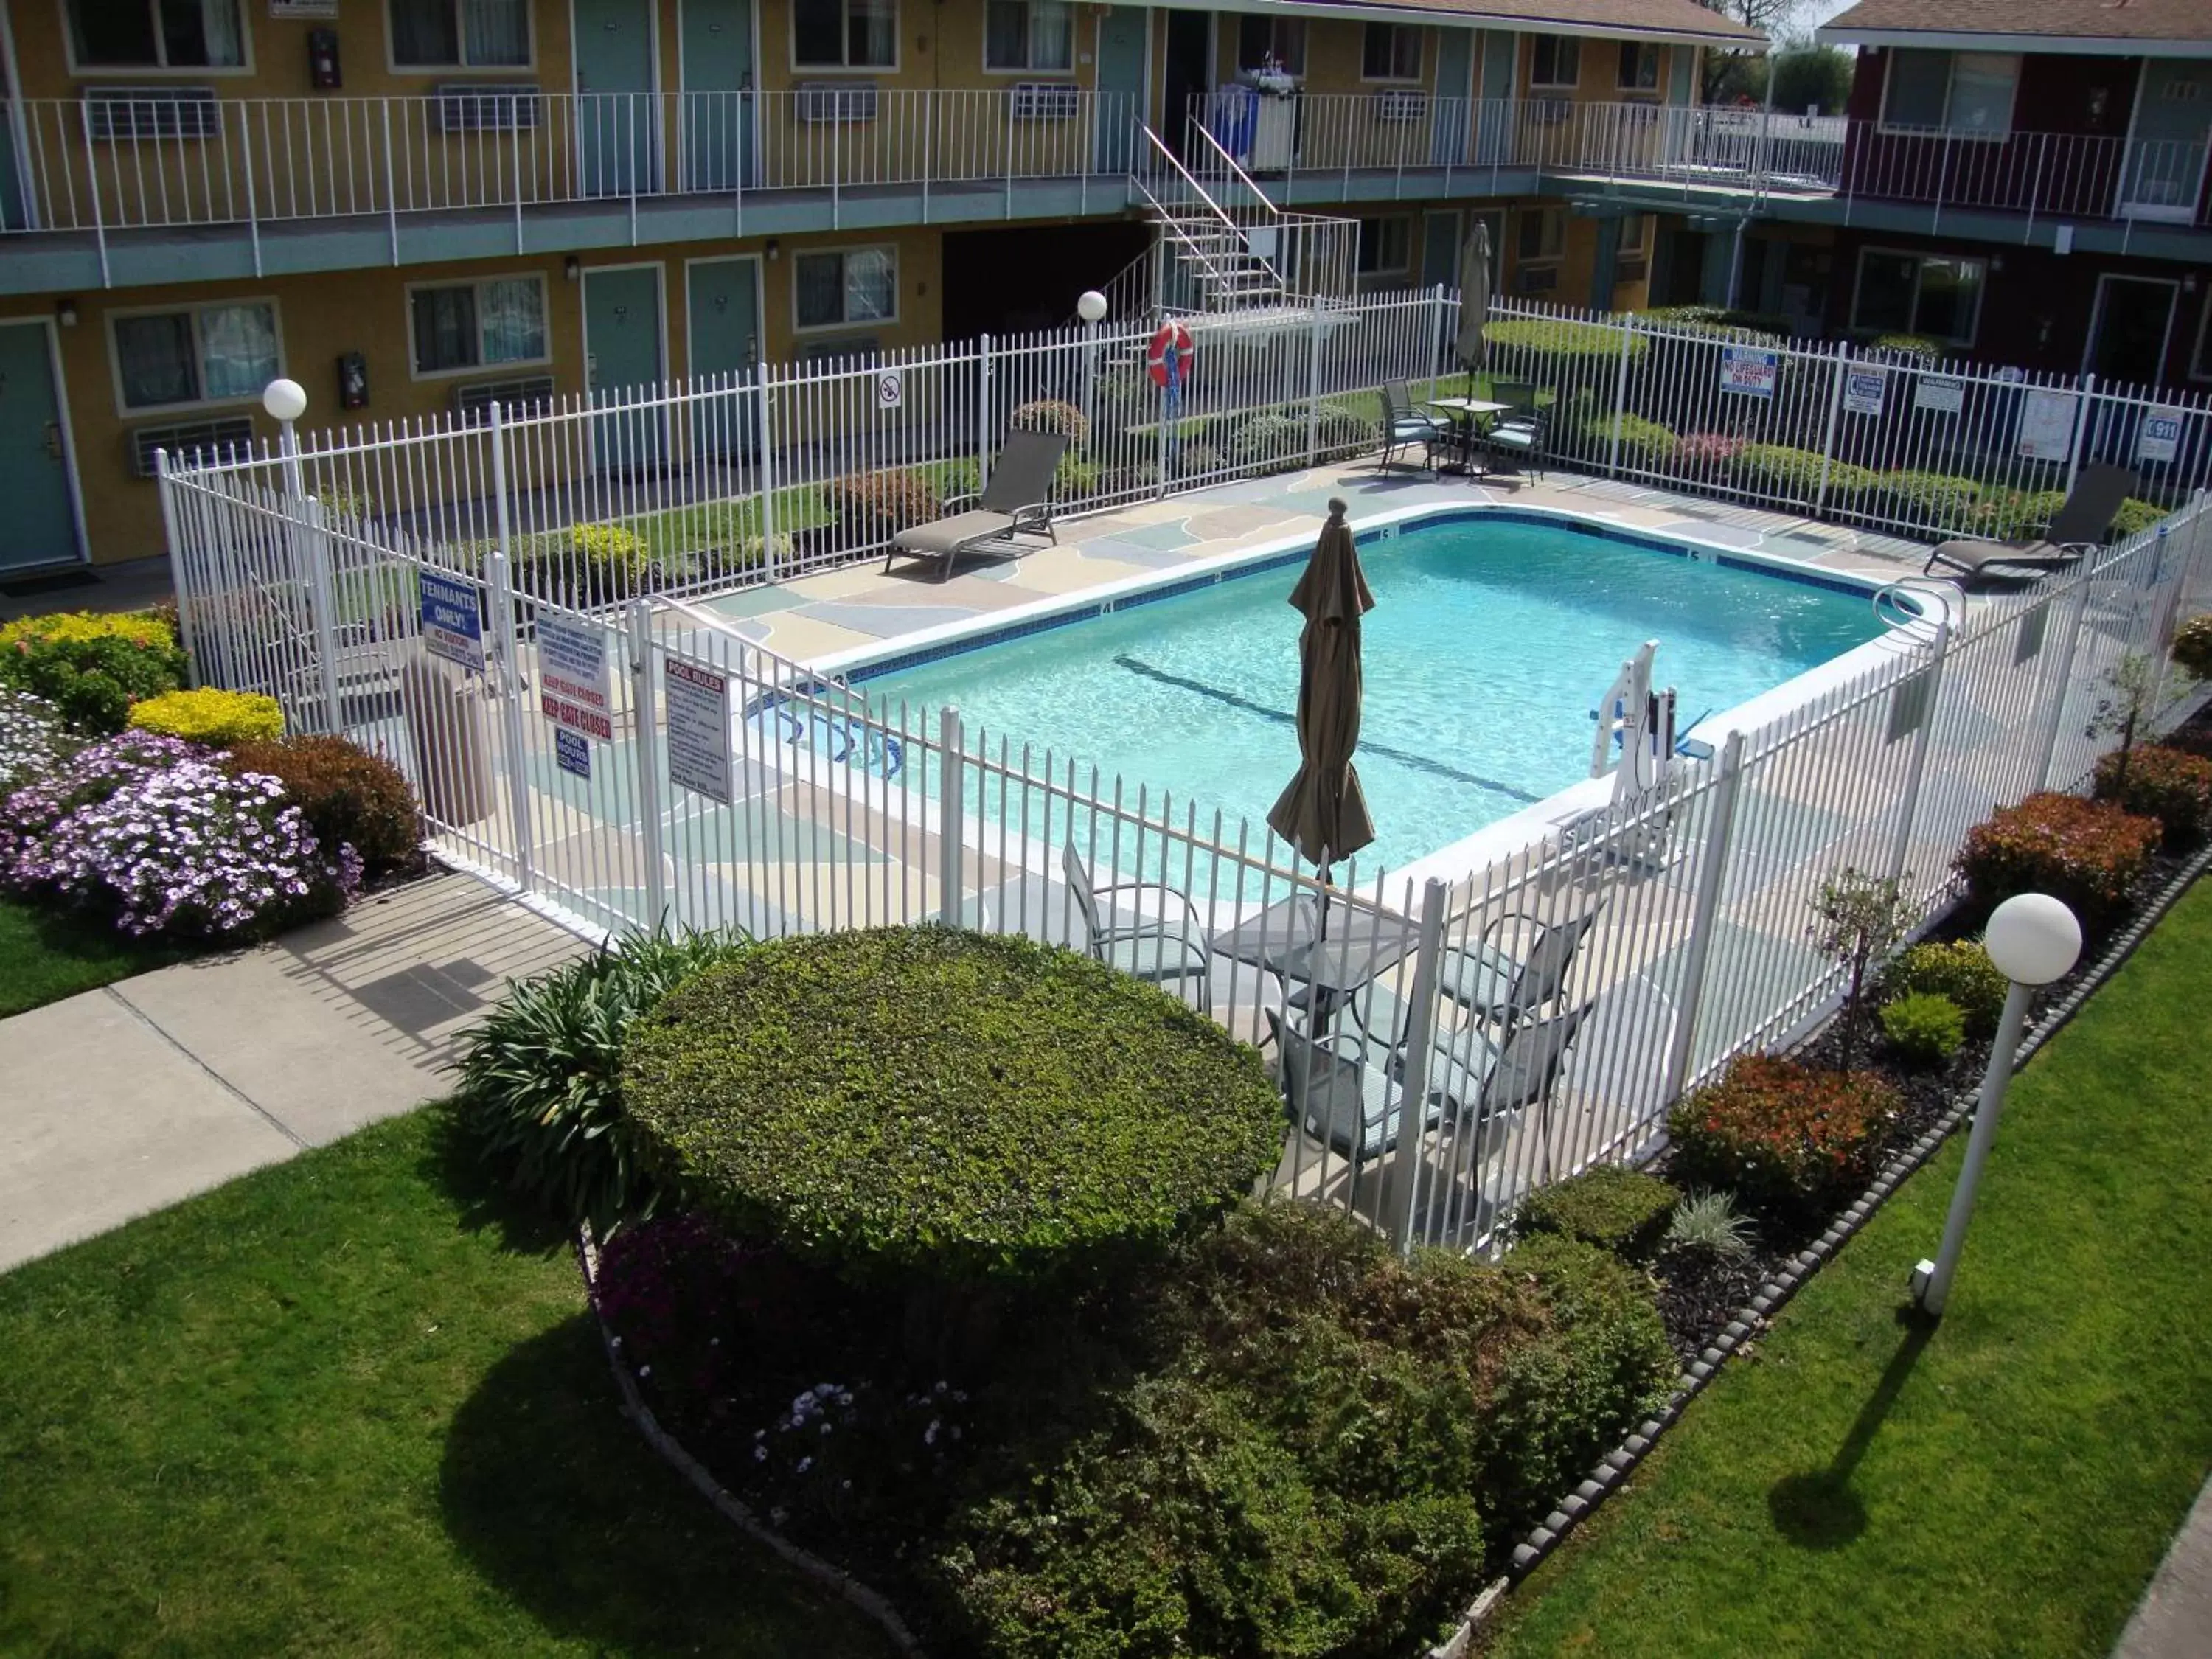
(822, 618)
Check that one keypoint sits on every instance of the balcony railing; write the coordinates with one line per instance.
(125, 159)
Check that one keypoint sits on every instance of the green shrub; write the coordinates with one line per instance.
(1331, 1437)
(2135, 515)
(211, 715)
(1923, 1029)
(873, 507)
(1192, 458)
(1052, 415)
(1960, 972)
(975, 1107)
(1339, 426)
(1643, 443)
(1623, 1211)
(1915, 348)
(2087, 853)
(1797, 472)
(541, 1086)
(346, 794)
(34, 739)
(92, 666)
(1792, 1141)
(1556, 341)
(1709, 1223)
(2192, 647)
(1747, 327)
(1951, 501)
(2170, 785)
(585, 564)
(2016, 515)
(1270, 437)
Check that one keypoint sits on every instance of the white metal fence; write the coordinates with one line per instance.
(731, 786)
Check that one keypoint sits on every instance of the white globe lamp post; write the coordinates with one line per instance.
(1090, 307)
(286, 401)
(2033, 939)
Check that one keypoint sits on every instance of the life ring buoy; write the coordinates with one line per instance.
(1172, 337)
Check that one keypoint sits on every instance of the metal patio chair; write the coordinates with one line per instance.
(1160, 952)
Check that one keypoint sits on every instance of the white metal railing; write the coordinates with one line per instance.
(304, 580)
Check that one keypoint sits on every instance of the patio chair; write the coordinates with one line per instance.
(1492, 984)
(1519, 397)
(1521, 437)
(1340, 1095)
(1404, 426)
(1160, 952)
(1017, 501)
(2081, 524)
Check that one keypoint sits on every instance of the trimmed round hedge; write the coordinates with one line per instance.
(974, 1107)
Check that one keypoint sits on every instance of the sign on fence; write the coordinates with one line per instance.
(2160, 440)
(2046, 426)
(452, 628)
(1748, 370)
(572, 753)
(890, 388)
(1863, 389)
(698, 728)
(1939, 394)
(571, 677)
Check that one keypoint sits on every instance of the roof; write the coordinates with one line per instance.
(2093, 25)
(1660, 20)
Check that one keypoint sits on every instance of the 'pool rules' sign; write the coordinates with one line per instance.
(571, 677)
(698, 700)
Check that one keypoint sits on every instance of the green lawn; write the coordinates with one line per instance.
(2005, 1485)
(335, 1407)
(45, 957)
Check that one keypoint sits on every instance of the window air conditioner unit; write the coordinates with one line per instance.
(487, 107)
(532, 394)
(1541, 280)
(836, 102)
(152, 111)
(1045, 101)
(190, 443)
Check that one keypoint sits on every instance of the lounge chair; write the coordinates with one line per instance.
(1018, 502)
(1160, 952)
(1340, 1096)
(2080, 524)
(1404, 426)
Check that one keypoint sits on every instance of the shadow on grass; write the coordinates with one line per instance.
(1817, 1509)
(455, 1165)
(549, 1491)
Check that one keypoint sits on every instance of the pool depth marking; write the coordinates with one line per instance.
(1418, 762)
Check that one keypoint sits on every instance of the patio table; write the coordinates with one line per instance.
(1468, 416)
(1360, 944)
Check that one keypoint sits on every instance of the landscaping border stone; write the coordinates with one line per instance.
(834, 1579)
(1613, 1468)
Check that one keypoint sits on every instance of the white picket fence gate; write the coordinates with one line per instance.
(306, 577)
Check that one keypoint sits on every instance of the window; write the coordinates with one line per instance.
(459, 33)
(457, 327)
(1937, 295)
(1635, 233)
(845, 34)
(835, 290)
(156, 34)
(1555, 60)
(1962, 92)
(1391, 52)
(1028, 34)
(1281, 39)
(1385, 246)
(213, 354)
(2200, 366)
(1639, 66)
(1542, 232)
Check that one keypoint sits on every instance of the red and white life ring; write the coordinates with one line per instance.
(1172, 337)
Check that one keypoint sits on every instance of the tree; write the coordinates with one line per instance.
(1857, 921)
(1806, 76)
(1731, 75)
(2130, 695)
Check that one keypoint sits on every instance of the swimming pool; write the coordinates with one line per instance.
(1493, 638)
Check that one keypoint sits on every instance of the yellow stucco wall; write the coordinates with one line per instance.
(321, 316)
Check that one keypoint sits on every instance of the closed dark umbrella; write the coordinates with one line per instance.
(1322, 813)
(1474, 300)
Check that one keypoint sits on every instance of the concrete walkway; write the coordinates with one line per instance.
(123, 1100)
(2174, 1618)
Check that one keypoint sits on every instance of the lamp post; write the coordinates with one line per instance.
(2033, 939)
(1091, 308)
(286, 401)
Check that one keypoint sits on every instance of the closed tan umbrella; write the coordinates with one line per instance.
(1323, 812)
(1474, 300)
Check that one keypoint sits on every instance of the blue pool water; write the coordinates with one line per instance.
(1491, 641)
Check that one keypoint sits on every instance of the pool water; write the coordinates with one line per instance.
(1491, 641)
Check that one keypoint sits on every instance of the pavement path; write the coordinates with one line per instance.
(2174, 1618)
(125, 1099)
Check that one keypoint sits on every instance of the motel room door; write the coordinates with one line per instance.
(718, 95)
(1124, 38)
(722, 311)
(35, 465)
(617, 115)
(623, 360)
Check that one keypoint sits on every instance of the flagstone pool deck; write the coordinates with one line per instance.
(817, 618)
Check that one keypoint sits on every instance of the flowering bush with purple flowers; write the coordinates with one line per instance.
(166, 841)
(34, 738)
